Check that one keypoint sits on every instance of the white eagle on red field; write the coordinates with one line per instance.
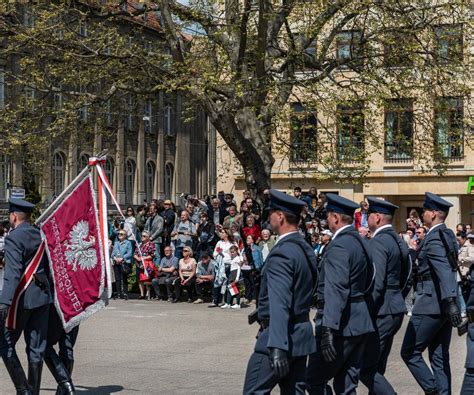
(80, 250)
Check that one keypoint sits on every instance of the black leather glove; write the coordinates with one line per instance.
(3, 312)
(327, 344)
(451, 310)
(279, 362)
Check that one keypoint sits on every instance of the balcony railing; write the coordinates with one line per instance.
(350, 152)
(303, 154)
(398, 152)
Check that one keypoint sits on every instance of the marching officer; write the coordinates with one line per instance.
(343, 320)
(60, 365)
(435, 311)
(32, 308)
(468, 382)
(392, 269)
(286, 336)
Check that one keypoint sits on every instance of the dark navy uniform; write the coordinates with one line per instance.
(468, 382)
(389, 255)
(283, 311)
(33, 308)
(430, 326)
(343, 319)
(61, 365)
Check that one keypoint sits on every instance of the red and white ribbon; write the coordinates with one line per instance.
(104, 187)
(25, 280)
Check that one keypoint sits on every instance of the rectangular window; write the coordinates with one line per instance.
(399, 130)
(28, 18)
(348, 45)
(449, 135)
(108, 113)
(147, 116)
(30, 98)
(129, 115)
(168, 120)
(350, 131)
(57, 100)
(83, 29)
(83, 110)
(303, 135)
(398, 48)
(2, 87)
(448, 43)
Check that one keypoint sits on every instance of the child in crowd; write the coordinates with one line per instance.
(234, 278)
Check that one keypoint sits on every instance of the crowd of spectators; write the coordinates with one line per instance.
(213, 246)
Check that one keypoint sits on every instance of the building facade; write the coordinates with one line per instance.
(395, 171)
(155, 147)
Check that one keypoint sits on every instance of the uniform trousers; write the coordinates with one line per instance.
(377, 350)
(57, 335)
(432, 332)
(260, 379)
(345, 369)
(468, 382)
(34, 325)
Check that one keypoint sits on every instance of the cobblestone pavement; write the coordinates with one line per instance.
(150, 347)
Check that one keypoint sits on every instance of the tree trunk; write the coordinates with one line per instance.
(249, 142)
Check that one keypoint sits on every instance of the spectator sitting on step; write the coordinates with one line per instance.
(187, 275)
(205, 278)
(167, 275)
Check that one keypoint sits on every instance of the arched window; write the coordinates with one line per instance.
(83, 162)
(3, 176)
(109, 173)
(129, 180)
(59, 172)
(150, 180)
(169, 174)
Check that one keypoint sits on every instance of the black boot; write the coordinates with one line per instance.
(68, 364)
(34, 376)
(432, 392)
(60, 374)
(17, 374)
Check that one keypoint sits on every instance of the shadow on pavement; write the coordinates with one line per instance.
(102, 390)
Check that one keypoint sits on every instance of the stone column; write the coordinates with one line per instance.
(159, 191)
(120, 163)
(46, 181)
(182, 154)
(71, 160)
(141, 165)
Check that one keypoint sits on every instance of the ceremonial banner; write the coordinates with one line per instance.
(71, 232)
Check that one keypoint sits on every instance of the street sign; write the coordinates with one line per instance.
(17, 193)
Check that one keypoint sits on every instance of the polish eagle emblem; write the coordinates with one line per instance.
(80, 250)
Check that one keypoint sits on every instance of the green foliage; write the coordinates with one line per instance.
(243, 63)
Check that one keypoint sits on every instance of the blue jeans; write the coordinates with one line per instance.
(461, 301)
(156, 259)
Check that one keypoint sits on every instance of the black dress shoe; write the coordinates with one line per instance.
(174, 301)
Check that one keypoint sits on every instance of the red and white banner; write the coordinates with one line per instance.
(74, 245)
